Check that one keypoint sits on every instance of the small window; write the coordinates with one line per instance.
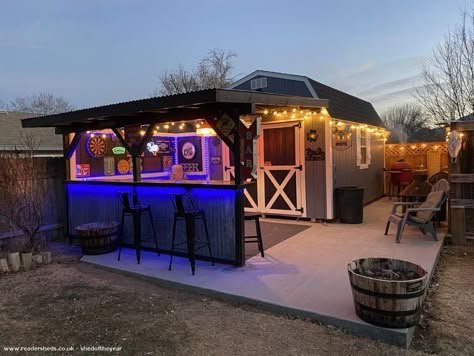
(259, 83)
(363, 148)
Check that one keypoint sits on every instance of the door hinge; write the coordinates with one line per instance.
(300, 167)
(298, 125)
(227, 168)
(301, 210)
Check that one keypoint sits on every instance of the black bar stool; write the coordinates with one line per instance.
(255, 238)
(189, 214)
(135, 210)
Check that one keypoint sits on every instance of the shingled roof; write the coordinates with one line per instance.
(11, 132)
(346, 106)
(341, 105)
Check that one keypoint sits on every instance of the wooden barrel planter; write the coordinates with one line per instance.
(387, 292)
(98, 237)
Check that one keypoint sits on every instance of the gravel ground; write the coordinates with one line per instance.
(71, 304)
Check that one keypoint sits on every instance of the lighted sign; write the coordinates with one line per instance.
(188, 150)
(118, 150)
(152, 148)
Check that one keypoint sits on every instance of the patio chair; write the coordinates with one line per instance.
(420, 217)
(441, 185)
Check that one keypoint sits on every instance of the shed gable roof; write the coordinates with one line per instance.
(341, 105)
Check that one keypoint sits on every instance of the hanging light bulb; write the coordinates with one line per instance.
(167, 127)
(265, 112)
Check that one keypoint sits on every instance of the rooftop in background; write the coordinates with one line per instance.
(11, 132)
(467, 118)
(341, 105)
(422, 135)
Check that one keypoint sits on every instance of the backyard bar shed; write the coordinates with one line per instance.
(135, 147)
(346, 149)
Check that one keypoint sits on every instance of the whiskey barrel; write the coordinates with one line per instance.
(98, 237)
(379, 300)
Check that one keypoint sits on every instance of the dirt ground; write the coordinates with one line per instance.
(71, 304)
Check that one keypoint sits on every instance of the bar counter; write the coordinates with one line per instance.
(98, 200)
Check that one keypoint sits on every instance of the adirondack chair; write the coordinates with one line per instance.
(420, 217)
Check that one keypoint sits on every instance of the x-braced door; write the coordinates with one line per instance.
(281, 188)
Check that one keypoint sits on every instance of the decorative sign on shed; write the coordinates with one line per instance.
(342, 137)
(225, 124)
(83, 170)
(249, 147)
(190, 154)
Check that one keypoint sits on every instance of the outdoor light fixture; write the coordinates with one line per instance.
(205, 131)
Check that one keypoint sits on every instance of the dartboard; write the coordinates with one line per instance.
(96, 146)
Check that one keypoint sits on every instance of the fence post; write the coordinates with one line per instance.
(458, 225)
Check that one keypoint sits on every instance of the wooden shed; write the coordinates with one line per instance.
(303, 160)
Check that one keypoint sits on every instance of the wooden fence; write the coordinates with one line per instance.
(432, 156)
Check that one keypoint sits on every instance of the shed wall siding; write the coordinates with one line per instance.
(315, 172)
(347, 173)
(280, 86)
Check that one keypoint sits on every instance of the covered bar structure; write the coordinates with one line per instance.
(179, 144)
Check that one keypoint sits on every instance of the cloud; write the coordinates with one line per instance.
(392, 86)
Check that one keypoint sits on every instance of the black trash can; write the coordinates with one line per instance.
(350, 204)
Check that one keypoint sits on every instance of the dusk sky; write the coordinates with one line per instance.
(97, 52)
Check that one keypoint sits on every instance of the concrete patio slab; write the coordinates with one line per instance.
(305, 275)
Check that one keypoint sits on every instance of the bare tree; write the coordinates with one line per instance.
(405, 121)
(3, 105)
(213, 71)
(448, 90)
(24, 198)
(42, 103)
